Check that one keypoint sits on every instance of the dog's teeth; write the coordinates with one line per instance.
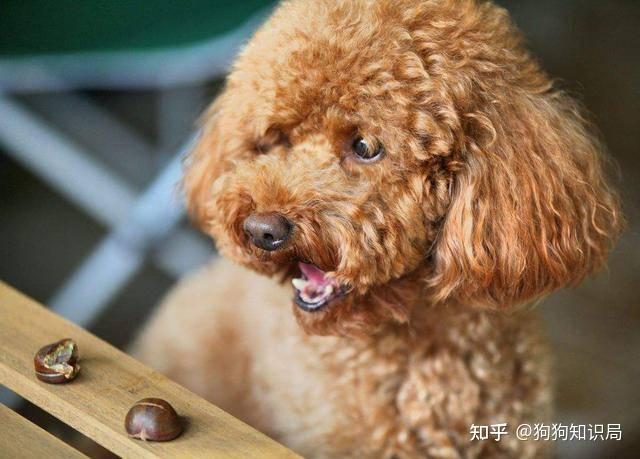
(300, 284)
(306, 298)
(311, 293)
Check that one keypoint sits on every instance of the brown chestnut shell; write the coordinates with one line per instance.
(57, 362)
(152, 419)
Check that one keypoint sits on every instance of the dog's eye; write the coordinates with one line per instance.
(262, 148)
(365, 151)
(273, 138)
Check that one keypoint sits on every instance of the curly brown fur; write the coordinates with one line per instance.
(490, 194)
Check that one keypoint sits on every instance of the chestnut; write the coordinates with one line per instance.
(57, 362)
(152, 419)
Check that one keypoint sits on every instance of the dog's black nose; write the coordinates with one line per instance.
(268, 231)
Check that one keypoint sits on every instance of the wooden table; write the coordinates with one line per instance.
(96, 402)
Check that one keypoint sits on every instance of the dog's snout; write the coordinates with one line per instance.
(268, 231)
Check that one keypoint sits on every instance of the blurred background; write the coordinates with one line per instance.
(98, 101)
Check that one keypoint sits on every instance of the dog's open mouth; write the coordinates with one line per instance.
(314, 290)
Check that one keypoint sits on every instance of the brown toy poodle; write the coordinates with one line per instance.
(411, 170)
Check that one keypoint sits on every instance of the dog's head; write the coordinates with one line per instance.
(380, 152)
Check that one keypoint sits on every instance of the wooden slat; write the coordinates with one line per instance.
(20, 438)
(110, 382)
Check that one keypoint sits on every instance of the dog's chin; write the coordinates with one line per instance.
(315, 290)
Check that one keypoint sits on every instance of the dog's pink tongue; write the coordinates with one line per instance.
(313, 273)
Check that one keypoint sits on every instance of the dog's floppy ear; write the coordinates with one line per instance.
(531, 211)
